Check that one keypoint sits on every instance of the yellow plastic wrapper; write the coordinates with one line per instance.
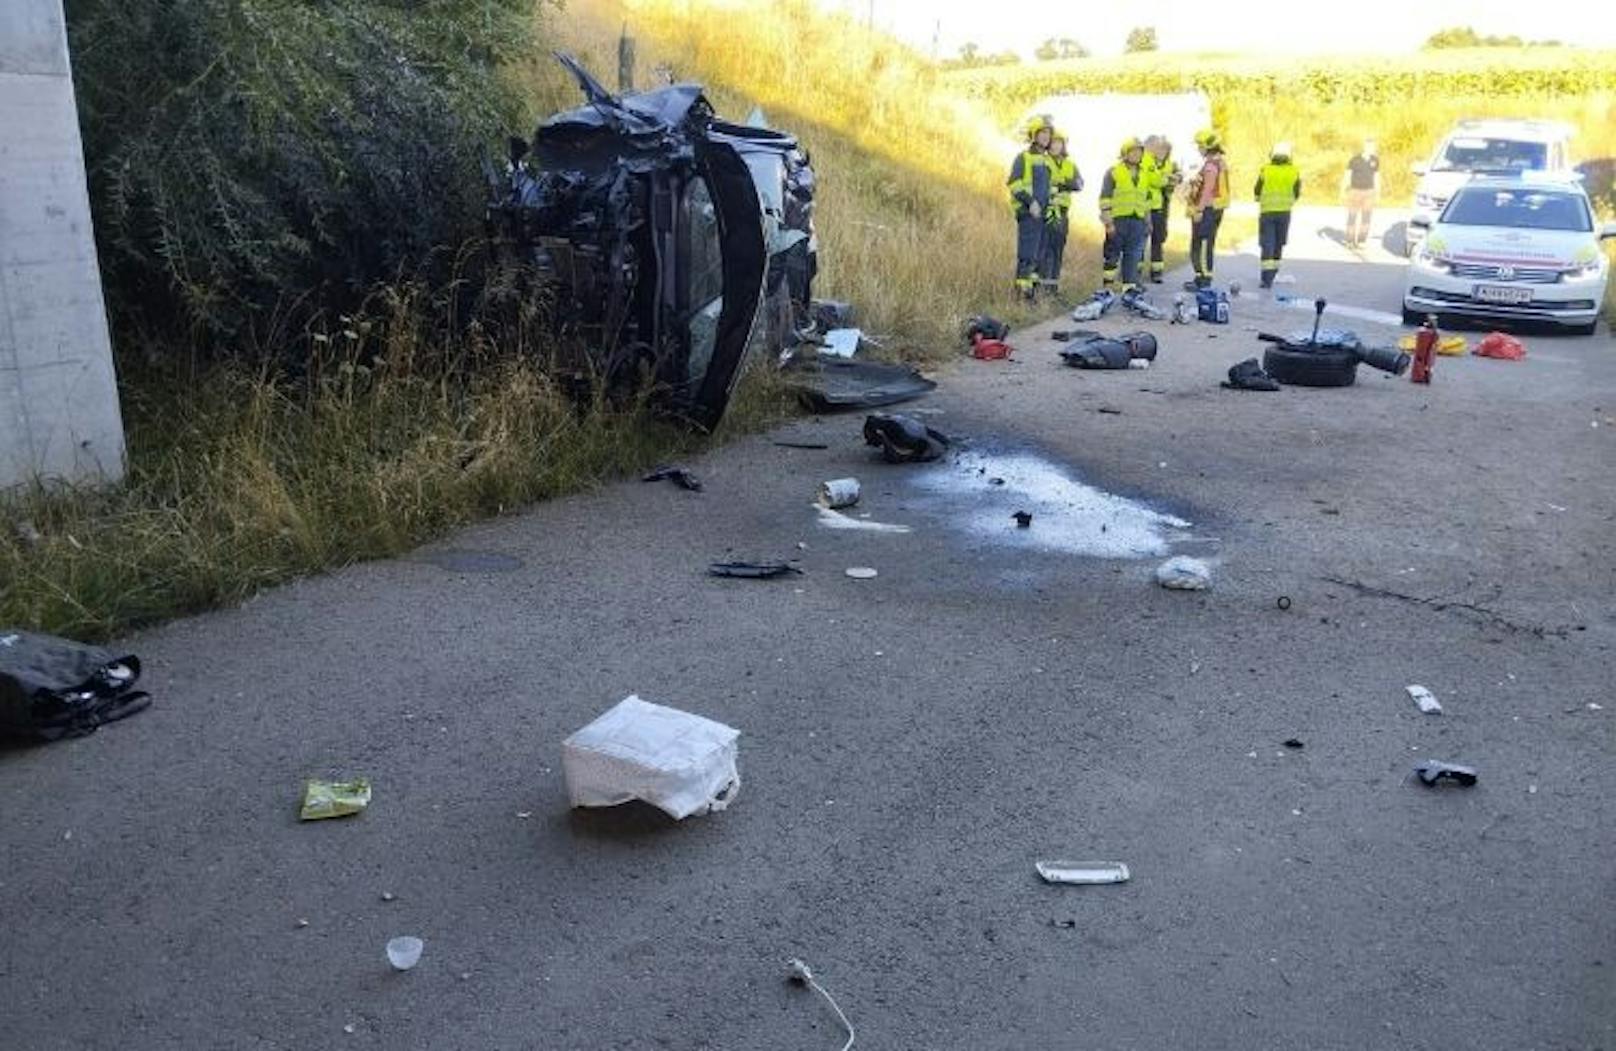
(1447, 346)
(323, 799)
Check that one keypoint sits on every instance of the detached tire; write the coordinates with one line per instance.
(1325, 367)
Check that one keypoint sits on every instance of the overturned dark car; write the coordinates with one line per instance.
(668, 243)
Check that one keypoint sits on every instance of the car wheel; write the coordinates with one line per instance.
(1412, 317)
(1311, 368)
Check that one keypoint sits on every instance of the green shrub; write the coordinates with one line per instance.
(254, 161)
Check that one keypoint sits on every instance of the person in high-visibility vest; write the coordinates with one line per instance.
(1125, 211)
(1065, 181)
(1031, 190)
(1277, 190)
(1165, 176)
(1206, 196)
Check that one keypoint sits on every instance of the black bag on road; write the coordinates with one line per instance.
(52, 688)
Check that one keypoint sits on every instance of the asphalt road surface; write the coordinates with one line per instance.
(911, 744)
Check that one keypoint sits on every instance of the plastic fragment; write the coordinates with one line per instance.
(1434, 771)
(1083, 872)
(1426, 700)
(1184, 574)
(753, 570)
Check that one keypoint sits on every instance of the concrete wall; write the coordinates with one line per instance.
(59, 414)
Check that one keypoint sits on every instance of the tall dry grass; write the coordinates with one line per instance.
(239, 480)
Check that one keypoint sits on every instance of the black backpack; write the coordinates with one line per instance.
(52, 688)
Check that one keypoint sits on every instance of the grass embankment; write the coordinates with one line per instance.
(244, 475)
(238, 481)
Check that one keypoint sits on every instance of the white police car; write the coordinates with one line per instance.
(1521, 248)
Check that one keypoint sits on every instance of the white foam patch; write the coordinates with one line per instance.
(836, 520)
(1068, 515)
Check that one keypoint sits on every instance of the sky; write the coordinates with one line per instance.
(1373, 26)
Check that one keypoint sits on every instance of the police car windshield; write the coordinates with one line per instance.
(1529, 209)
(1480, 154)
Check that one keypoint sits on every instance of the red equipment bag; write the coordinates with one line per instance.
(1499, 345)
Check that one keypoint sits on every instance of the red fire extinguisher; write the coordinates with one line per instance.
(1424, 351)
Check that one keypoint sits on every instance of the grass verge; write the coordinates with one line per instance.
(240, 480)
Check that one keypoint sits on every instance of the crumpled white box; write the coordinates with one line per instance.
(680, 763)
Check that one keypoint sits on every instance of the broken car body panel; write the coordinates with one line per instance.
(650, 223)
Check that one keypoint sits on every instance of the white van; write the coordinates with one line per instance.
(1484, 147)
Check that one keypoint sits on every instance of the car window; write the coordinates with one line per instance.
(705, 276)
(1466, 154)
(1528, 209)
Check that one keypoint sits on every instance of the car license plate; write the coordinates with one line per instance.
(1503, 294)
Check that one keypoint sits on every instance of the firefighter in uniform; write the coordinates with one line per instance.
(1125, 211)
(1165, 176)
(1278, 187)
(1065, 181)
(1031, 191)
(1206, 196)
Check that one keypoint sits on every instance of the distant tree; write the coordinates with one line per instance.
(1070, 48)
(1003, 58)
(968, 53)
(1141, 38)
(1047, 51)
(1465, 36)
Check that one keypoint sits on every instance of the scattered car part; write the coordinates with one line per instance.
(1182, 573)
(803, 445)
(680, 763)
(656, 230)
(1426, 700)
(1500, 345)
(680, 476)
(985, 326)
(903, 439)
(1104, 352)
(324, 799)
(51, 688)
(862, 573)
(1294, 743)
(1435, 771)
(1311, 368)
(826, 385)
(1283, 602)
(839, 493)
(1023, 519)
(1337, 354)
(753, 570)
(1249, 375)
(1083, 872)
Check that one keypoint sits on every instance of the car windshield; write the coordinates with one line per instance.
(1529, 209)
(1484, 154)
